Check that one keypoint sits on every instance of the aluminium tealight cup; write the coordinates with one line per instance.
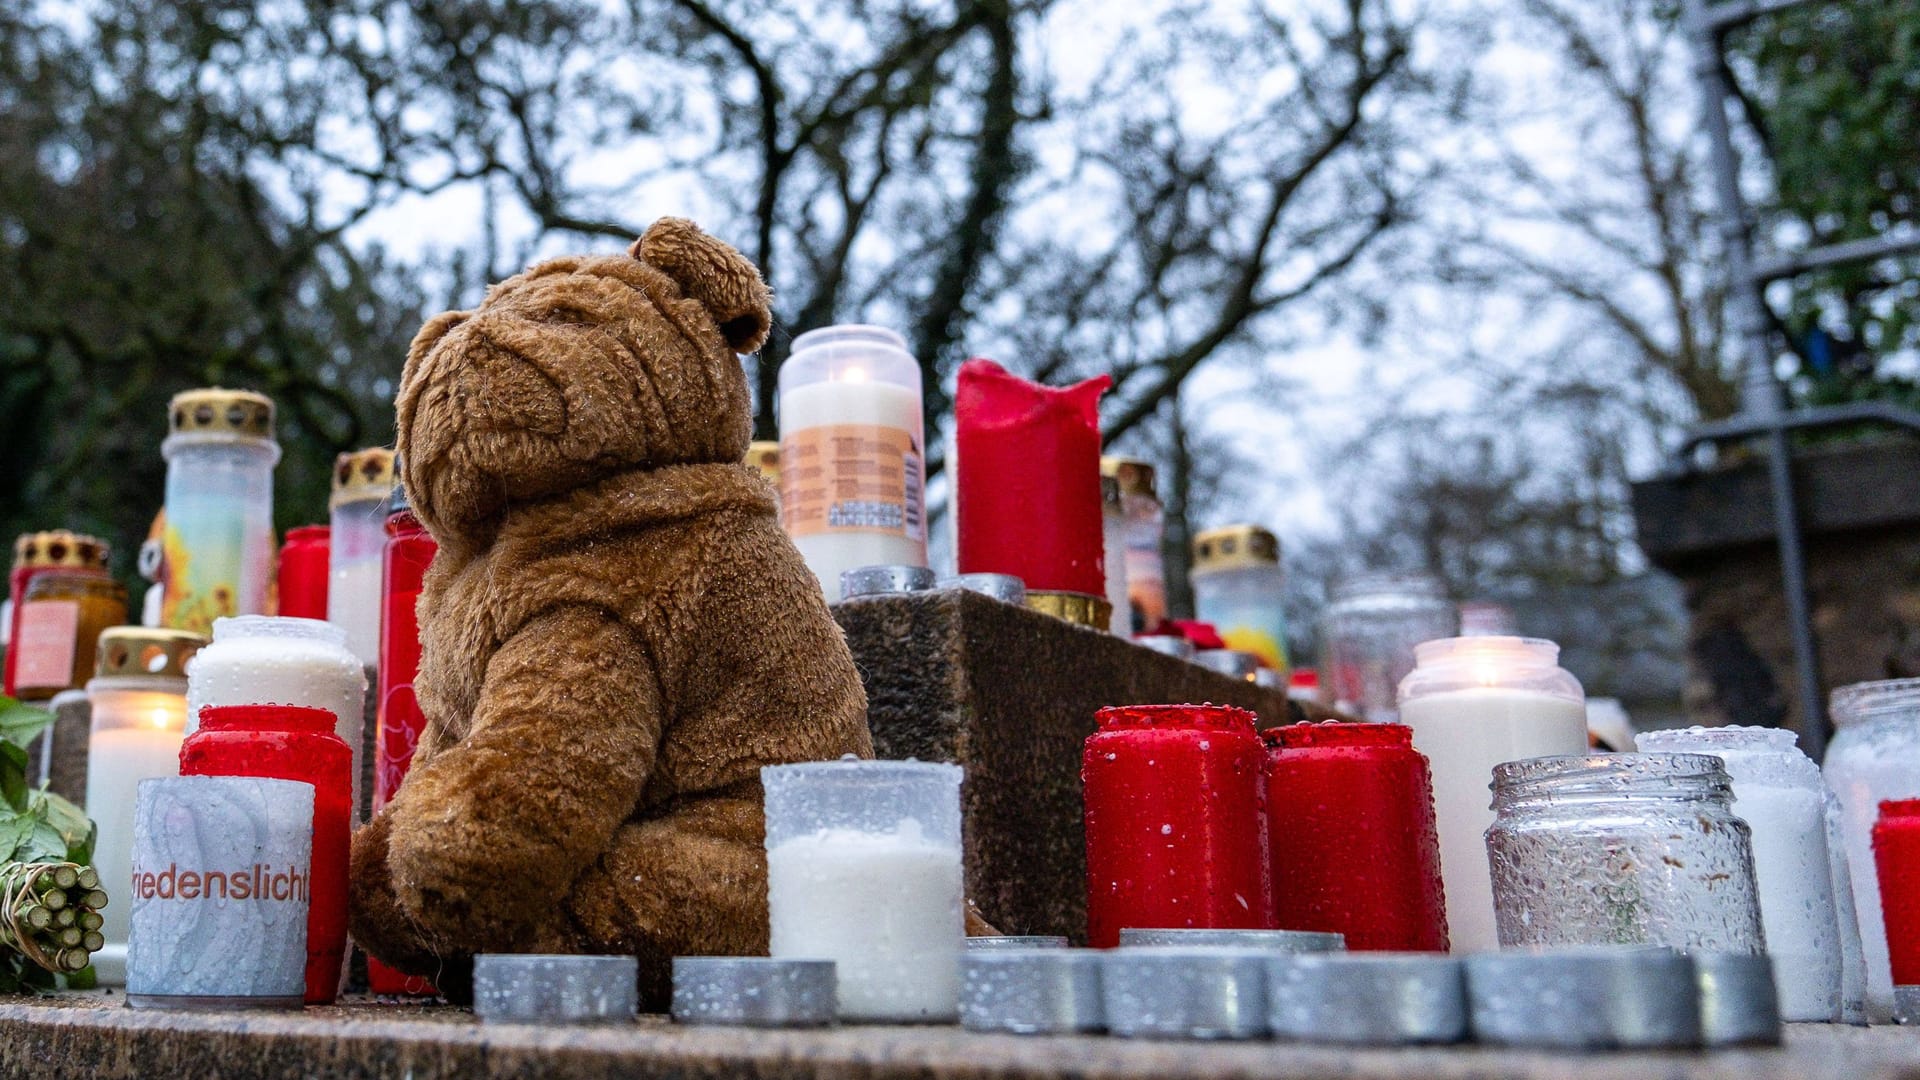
(1016, 941)
(885, 581)
(1739, 1001)
(1379, 998)
(1584, 998)
(1168, 644)
(1035, 991)
(1283, 941)
(1174, 992)
(753, 991)
(1005, 588)
(555, 989)
(1229, 662)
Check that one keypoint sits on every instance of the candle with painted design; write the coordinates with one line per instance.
(217, 548)
(852, 452)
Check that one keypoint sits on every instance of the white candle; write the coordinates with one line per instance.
(137, 726)
(852, 452)
(1474, 703)
(885, 907)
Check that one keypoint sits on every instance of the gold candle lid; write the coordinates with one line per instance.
(213, 411)
(1235, 546)
(60, 548)
(1135, 476)
(361, 475)
(1081, 609)
(146, 652)
(765, 456)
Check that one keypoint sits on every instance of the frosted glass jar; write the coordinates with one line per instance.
(362, 483)
(863, 868)
(217, 547)
(1778, 793)
(1622, 849)
(1239, 587)
(1371, 627)
(852, 452)
(1113, 543)
(1474, 703)
(268, 660)
(1874, 755)
(1145, 530)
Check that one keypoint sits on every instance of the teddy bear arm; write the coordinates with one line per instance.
(488, 835)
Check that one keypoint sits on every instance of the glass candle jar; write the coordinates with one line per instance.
(1474, 703)
(1778, 793)
(61, 618)
(1351, 835)
(765, 456)
(358, 509)
(864, 869)
(1027, 480)
(1874, 756)
(1622, 849)
(267, 660)
(1896, 853)
(35, 554)
(1853, 957)
(217, 550)
(409, 553)
(138, 699)
(1113, 547)
(852, 452)
(1238, 586)
(301, 575)
(285, 742)
(1145, 533)
(1371, 626)
(1173, 821)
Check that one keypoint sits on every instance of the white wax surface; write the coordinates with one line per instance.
(886, 907)
(879, 404)
(353, 604)
(1796, 896)
(282, 671)
(1464, 734)
(117, 760)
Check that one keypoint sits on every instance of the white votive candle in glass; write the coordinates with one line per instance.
(138, 697)
(269, 660)
(864, 869)
(362, 482)
(1474, 703)
(852, 452)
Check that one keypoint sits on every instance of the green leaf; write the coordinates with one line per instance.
(13, 777)
(15, 830)
(75, 829)
(21, 724)
(84, 979)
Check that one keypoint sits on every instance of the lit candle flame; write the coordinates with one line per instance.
(853, 375)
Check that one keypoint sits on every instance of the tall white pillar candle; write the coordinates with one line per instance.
(852, 452)
(1474, 703)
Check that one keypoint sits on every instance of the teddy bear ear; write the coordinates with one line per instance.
(710, 271)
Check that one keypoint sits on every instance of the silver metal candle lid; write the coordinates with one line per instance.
(1285, 941)
(1016, 941)
(1040, 991)
(753, 991)
(1170, 644)
(1589, 998)
(553, 989)
(1002, 587)
(1739, 1003)
(1372, 997)
(1190, 993)
(884, 581)
(1270, 679)
(1906, 1004)
(1231, 662)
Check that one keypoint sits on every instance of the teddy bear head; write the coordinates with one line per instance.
(580, 368)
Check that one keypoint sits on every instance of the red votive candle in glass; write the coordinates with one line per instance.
(1027, 479)
(289, 742)
(409, 551)
(1896, 857)
(302, 578)
(1351, 840)
(1173, 821)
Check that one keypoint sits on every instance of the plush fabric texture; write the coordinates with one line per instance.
(616, 634)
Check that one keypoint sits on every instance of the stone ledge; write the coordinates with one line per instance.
(95, 1036)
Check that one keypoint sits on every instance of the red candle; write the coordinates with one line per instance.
(1351, 836)
(408, 553)
(1896, 856)
(302, 579)
(1027, 483)
(287, 742)
(1173, 821)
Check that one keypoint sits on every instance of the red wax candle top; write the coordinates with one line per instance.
(302, 577)
(1173, 821)
(287, 742)
(1896, 856)
(1352, 847)
(1027, 484)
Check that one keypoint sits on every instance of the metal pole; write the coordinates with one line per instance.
(1762, 397)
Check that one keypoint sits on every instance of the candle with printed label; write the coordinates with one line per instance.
(217, 547)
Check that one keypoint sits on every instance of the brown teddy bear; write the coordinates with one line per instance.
(616, 635)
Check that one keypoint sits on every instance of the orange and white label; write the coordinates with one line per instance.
(49, 634)
(838, 478)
